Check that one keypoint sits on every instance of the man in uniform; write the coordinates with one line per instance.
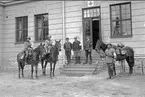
(68, 47)
(110, 55)
(76, 49)
(88, 49)
(28, 50)
(48, 44)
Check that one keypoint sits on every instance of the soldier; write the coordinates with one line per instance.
(68, 48)
(110, 54)
(116, 30)
(48, 44)
(76, 49)
(28, 50)
(88, 50)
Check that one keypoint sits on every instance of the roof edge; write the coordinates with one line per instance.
(14, 3)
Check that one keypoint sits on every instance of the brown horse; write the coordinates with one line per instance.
(52, 58)
(129, 54)
(33, 61)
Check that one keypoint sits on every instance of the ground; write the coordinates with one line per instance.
(122, 85)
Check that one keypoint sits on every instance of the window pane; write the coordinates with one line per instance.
(21, 28)
(85, 13)
(40, 34)
(126, 27)
(95, 12)
(125, 11)
(91, 13)
(121, 23)
(25, 34)
(45, 20)
(88, 13)
(45, 33)
(41, 26)
(98, 11)
(115, 12)
(116, 28)
(87, 28)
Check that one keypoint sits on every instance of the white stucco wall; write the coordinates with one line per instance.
(1, 31)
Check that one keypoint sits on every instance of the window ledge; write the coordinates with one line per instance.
(39, 41)
(18, 43)
(119, 36)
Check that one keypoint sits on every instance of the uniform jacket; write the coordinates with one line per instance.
(76, 45)
(27, 44)
(48, 43)
(88, 45)
(110, 55)
(67, 46)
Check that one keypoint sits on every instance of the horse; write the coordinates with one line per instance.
(33, 61)
(52, 58)
(128, 56)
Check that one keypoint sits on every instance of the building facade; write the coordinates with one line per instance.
(111, 21)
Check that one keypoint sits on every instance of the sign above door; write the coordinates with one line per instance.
(91, 3)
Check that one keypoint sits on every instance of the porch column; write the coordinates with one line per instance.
(63, 30)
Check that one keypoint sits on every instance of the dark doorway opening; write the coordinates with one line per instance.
(95, 31)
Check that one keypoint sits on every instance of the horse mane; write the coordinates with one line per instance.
(101, 45)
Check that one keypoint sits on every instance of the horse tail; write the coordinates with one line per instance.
(131, 55)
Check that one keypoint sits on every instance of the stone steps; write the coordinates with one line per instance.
(83, 69)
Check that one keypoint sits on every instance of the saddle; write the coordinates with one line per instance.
(28, 55)
(121, 53)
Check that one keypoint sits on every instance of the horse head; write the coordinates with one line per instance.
(41, 50)
(97, 47)
(58, 45)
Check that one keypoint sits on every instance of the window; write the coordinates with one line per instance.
(41, 27)
(120, 15)
(21, 28)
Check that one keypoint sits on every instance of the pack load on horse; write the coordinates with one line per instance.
(52, 58)
(122, 53)
(33, 61)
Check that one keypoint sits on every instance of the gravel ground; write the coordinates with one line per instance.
(122, 85)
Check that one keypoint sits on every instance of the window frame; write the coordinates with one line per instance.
(121, 20)
(36, 28)
(16, 22)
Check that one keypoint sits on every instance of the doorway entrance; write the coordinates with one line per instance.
(91, 24)
(95, 31)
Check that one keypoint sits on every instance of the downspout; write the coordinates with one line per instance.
(63, 28)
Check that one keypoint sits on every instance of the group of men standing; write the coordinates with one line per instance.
(76, 47)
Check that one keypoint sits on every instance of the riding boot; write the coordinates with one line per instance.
(75, 60)
(86, 61)
(79, 60)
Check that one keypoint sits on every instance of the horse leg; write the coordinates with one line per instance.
(32, 71)
(36, 70)
(44, 68)
(130, 61)
(23, 70)
(54, 68)
(42, 62)
(19, 68)
(114, 69)
(50, 69)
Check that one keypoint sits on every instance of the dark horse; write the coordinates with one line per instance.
(52, 58)
(129, 54)
(33, 61)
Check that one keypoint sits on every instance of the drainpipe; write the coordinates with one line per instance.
(63, 28)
